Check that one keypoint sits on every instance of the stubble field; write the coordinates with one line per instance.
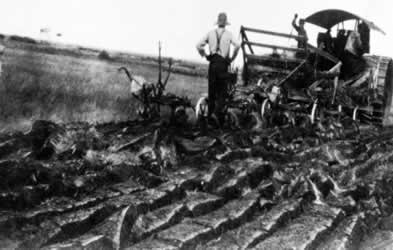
(68, 87)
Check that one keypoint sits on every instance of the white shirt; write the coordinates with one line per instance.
(226, 39)
(353, 42)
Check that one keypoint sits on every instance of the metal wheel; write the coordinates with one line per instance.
(266, 108)
(340, 108)
(355, 113)
(201, 108)
(314, 112)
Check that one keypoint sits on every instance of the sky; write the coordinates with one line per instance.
(138, 25)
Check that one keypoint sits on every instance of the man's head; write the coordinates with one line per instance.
(222, 20)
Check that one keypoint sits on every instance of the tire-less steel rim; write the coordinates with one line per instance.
(265, 107)
(355, 113)
(314, 112)
(201, 107)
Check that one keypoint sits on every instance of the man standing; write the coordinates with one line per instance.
(329, 46)
(353, 62)
(364, 32)
(301, 31)
(219, 41)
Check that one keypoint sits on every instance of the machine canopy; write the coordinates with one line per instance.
(329, 18)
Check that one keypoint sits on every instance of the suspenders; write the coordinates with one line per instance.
(218, 36)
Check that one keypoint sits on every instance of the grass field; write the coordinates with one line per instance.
(42, 84)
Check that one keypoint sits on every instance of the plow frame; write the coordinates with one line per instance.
(250, 54)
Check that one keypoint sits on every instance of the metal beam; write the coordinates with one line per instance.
(292, 73)
(287, 59)
(273, 33)
(323, 53)
(245, 38)
(273, 46)
(245, 64)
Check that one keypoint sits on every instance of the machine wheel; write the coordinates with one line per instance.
(201, 108)
(355, 113)
(314, 112)
(340, 108)
(382, 81)
(266, 108)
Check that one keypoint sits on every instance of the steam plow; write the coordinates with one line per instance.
(323, 81)
(286, 171)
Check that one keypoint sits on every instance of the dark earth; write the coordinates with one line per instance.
(155, 185)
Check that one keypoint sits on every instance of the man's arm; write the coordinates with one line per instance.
(201, 45)
(294, 25)
(236, 49)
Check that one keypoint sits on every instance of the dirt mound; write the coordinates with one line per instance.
(145, 185)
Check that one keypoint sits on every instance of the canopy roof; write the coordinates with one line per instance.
(329, 18)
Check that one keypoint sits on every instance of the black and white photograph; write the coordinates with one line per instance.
(196, 124)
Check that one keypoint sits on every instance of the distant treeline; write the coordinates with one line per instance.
(22, 39)
(27, 43)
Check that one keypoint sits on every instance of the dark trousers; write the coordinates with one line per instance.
(352, 64)
(218, 86)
